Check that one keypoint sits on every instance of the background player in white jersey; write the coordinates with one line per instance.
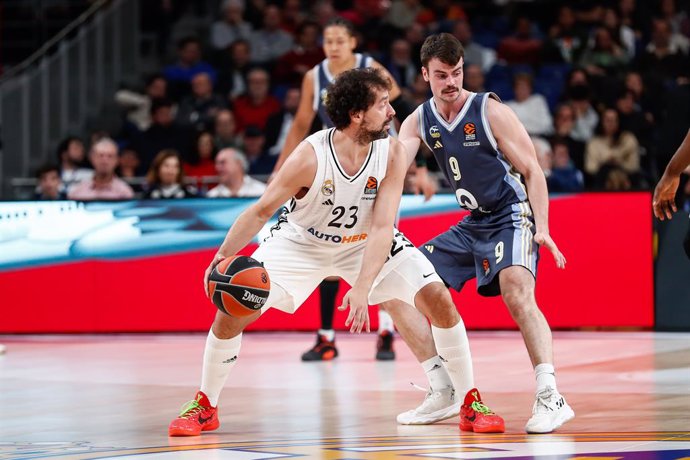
(339, 43)
(664, 200)
(357, 169)
(490, 162)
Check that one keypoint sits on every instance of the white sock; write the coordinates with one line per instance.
(385, 322)
(436, 373)
(220, 357)
(546, 376)
(454, 351)
(328, 333)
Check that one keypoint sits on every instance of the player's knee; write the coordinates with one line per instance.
(435, 302)
(226, 326)
(519, 300)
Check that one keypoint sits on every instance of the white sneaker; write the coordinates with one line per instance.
(550, 411)
(438, 405)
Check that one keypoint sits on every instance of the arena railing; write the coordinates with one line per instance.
(54, 91)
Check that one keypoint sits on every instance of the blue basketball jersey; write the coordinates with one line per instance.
(323, 79)
(466, 151)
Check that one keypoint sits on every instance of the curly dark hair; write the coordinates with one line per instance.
(353, 91)
(444, 47)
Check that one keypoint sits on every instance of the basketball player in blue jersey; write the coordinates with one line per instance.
(664, 200)
(489, 161)
(339, 43)
(360, 169)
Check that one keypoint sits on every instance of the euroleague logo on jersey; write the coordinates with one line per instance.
(371, 186)
(470, 131)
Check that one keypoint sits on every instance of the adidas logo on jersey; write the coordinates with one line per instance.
(328, 202)
(429, 247)
(438, 145)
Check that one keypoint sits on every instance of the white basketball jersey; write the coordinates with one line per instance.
(337, 209)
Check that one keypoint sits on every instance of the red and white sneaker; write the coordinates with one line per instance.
(196, 416)
(475, 416)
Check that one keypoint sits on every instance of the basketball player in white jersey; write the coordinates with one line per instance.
(344, 185)
(339, 43)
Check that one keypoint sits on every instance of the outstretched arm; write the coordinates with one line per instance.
(379, 238)
(664, 201)
(298, 173)
(514, 142)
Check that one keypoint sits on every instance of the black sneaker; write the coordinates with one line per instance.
(324, 350)
(384, 347)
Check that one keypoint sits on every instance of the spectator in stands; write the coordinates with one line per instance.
(201, 161)
(566, 40)
(474, 52)
(531, 109)
(226, 131)
(257, 104)
(604, 56)
(260, 161)
(139, 105)
(564, 177)
(199, 109)
(128, 163)
(232, 167)
(166, 178)
(234, 66)
(621, 34)
(612, 156)
(104, 185)
(635, 85)
(579, 96)
(164, 133)
(663, 58)
(293, 16)
(71, 158)
(522, 47)
(474, 78)
(270, 42)
(189, 63)
(403, 13)
(679, 21)
(563, 126)
(400, 63)
(278, 124)
(50, 186)
(231, 27)
(632, 118)
(420, 91)
(306, 53)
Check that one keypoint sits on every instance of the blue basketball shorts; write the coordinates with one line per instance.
(484, 245)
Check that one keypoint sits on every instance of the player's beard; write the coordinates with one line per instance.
(366, 135)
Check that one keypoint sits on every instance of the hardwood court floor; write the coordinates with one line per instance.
(86, 397)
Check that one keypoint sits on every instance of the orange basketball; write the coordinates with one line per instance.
(239, 286)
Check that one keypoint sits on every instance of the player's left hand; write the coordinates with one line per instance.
(357, 299)
(544, 239)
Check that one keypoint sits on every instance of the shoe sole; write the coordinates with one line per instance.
(385, 356)
(453, 411)
(565, 418)
(490, 429)
(179, 433)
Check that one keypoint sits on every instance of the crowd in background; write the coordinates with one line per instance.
(603, 89)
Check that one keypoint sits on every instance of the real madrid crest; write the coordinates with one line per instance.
(328, 188)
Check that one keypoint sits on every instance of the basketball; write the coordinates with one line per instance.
(239, 286)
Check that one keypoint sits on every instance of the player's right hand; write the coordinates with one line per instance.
(664, 201)
(216, 260)
(358, 318)
(544, 239)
